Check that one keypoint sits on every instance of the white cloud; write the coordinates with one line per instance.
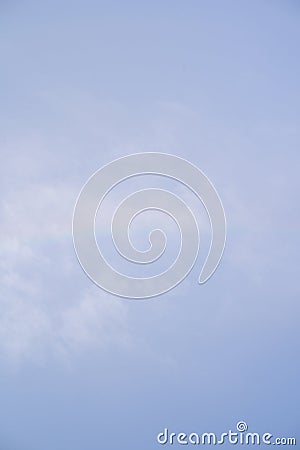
(45, 306)
(42, 313)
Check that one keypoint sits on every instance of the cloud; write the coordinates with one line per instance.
(46, 308)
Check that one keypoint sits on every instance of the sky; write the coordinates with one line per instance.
(84, 83)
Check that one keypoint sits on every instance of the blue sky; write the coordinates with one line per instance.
(83, 83)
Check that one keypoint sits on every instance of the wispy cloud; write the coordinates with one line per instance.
(45, 310)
